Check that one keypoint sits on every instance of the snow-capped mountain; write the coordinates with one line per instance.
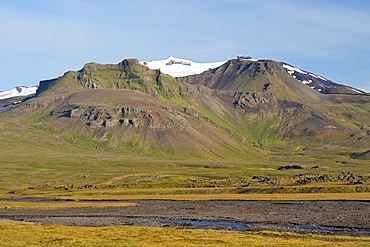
(177, 67)
(18, 91)
(317, 82)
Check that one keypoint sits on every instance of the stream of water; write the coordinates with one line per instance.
(234, 226)
(242, 226)
(5, 106)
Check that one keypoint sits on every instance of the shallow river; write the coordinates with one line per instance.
(242, 226)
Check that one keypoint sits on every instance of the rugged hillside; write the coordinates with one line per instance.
(268, 103)
(129, 108)
(261, 117)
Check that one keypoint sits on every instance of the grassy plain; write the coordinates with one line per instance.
(37, 163)
(190, 194)
(64, 171)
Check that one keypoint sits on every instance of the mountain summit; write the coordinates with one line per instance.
(178, 67)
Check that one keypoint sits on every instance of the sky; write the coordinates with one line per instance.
(42, 39)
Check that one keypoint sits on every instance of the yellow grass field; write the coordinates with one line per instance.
(31, 234)
(56, 205)
(321, 196)
(183, 194)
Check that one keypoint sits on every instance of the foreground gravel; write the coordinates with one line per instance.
(348, 217)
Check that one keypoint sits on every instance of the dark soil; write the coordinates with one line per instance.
(348, 217)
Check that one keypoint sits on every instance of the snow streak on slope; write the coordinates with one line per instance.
(314, 81)
(18, 91)
(177, 67)
(319, 83)
(291, 70)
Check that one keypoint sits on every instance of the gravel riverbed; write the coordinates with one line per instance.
(320, 217)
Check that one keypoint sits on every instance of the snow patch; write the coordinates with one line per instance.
(178, 67)
(356, 90)
(307, 82)
(18, 91)
(292, 69)
(317, 76)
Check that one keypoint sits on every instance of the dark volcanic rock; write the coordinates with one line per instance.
(364, 155)
(290, 167)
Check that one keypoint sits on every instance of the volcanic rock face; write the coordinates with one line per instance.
(252, 100)
(127, 116)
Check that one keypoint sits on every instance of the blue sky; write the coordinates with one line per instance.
(42, 39)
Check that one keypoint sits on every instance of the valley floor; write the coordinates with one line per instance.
(351, 218)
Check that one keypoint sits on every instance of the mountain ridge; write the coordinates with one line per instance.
(243, 108)
(172, 66)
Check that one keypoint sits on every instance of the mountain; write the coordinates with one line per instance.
(245, 75)
(178, 67)
(270, 104)
(16, 94)
(130, 108)
(241, 109)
